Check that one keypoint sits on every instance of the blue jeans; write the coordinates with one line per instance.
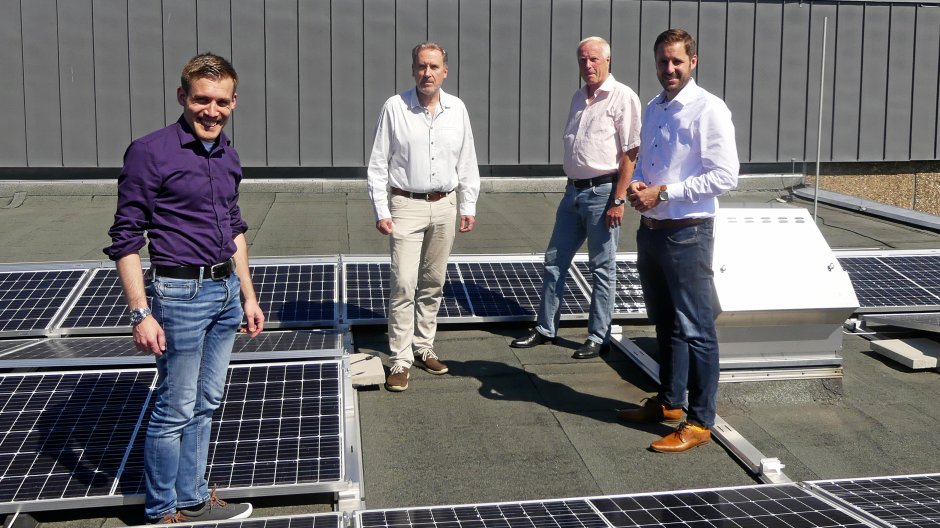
(200, 319)
(675, 267)
(581, 214)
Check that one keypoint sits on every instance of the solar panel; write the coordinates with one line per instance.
(294, 295)
(100, 305)
(315, 520)
(513, 290)
(76, 435)
(120, 350)
(628, 299)
(13, 344)
(30, 299)
(894, 281)
(367, 286)
(756, 506)
(65, 435)
(905, 501)
(575, 513)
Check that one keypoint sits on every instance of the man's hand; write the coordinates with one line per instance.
(642, 197)
(255, 318)
(149, 336)
(614, 215)
(385, 226)
(466, 223)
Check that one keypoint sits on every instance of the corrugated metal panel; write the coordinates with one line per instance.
(924, 140)
(41, 76)
(112, 103)
(248, 125)
(281, 78)
(314, 72)
(12, 107)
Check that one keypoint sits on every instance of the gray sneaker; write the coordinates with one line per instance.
(216, 509)
(170, 518)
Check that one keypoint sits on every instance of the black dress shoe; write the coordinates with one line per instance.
(534, 338)
(589, 350)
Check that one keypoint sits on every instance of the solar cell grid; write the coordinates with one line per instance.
(629, 296)
(514, 289)
(320, 520)
(366, 286)
(278, 424)
(892, 281)
(65, 435)
(904, 502)
(296, 294)
(100, 305)
(30, 299)
(550, 514)
(758, 506)
(87, 351)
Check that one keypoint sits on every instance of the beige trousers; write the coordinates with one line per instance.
(420, 244)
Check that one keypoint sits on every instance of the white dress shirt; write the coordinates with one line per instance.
(419, 152)
(688, 146)
(600, 129)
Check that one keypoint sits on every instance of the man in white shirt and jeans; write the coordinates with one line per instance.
(601, 139)
(687, 159)
(424, 157)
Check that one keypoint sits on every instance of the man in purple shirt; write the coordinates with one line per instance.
(180, 186)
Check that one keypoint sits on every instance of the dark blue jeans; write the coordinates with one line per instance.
(675, 267)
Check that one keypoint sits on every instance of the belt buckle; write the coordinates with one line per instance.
(220, 268)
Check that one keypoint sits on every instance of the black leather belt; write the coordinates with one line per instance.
(657, 225)
(430, 197)
(215, 272)
(594, 182)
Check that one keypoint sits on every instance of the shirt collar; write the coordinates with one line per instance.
(187, 137)
(685, 95)
(605, 86)
(415, 103)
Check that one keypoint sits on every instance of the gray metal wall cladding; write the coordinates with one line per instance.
(81, 78)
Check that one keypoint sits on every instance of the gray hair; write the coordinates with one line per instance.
(605, 47)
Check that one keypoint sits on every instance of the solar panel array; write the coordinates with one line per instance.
(754, 506)
(120, 350)
(903, 502)
(900, 281)
(489, 290)
(81, 434)
(296, 295)
(30, 299)
(315, 520)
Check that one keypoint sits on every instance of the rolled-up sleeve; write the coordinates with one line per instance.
(138, 185)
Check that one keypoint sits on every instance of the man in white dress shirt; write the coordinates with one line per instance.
(601, 138)
(687, 159)
(422, 159)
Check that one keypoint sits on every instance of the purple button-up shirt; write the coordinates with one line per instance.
(185, 198)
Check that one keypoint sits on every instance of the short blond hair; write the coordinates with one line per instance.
(207, 66)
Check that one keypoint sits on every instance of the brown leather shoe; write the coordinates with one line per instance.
(650, 412)
(431, 363)
(685, 437)
(397, 380)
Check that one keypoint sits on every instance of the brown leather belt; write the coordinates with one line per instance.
(214, 272)
(657, 225)
(430, 197)
(594, 182)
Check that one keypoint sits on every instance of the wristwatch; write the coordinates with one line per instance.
(663, 195)
(138, 315)
(619, 201)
